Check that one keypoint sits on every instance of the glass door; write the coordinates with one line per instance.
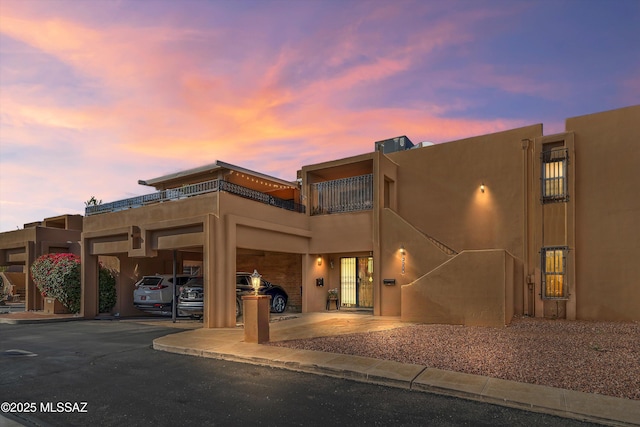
(365, 282)
(356, 282)
(348, 282)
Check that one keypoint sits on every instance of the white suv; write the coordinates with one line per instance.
(153, 293)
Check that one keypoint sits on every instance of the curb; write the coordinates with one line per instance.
(8, 321)
(581, 406)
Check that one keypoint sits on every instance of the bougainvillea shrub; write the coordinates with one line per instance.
(58, 276)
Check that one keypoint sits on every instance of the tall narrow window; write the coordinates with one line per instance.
(554, 175)
(554, 280)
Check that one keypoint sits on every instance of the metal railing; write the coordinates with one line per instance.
(342, 195)
(258, 196)
(190, 191)
(444, 248)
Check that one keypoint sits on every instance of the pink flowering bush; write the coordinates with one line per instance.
(58, 276)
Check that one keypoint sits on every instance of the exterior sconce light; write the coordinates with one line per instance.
(331, 263)
(403, 253)
(255, 281)
(319, 260)
(482, 187)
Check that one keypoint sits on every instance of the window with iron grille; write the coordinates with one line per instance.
(554, 175)
(554, 268)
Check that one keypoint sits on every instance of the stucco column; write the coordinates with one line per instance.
(208, 254)
(89, 296)
(219, 265)
(306, 279)
(256, 318)
(31, 296)
(126, 279)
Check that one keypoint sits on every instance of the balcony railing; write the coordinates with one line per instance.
(258, 196)
(193, 190)
(342, 195)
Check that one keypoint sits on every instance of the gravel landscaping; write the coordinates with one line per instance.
(593, 357)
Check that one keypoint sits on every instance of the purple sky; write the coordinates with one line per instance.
(97, 94)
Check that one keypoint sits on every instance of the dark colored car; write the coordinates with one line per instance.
(191, 298)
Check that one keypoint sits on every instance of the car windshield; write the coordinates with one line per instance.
(150, 281)
(195, 281)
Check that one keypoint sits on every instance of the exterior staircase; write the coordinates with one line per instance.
(12, 286)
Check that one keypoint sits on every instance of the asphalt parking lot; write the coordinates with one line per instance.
(110, 366)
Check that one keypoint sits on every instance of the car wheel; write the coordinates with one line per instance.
(278, 303)
(238, 308)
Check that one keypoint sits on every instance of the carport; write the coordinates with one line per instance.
(226, 228)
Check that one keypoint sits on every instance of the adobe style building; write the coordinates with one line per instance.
(20, 248)
(470, 232)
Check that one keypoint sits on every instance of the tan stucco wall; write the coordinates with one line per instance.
(344, 232)
(439, 190)
(13, 246)
(438, 193)
(607, 196)
(23, 247)
(421, 256)
(153, 213)
(473, 288)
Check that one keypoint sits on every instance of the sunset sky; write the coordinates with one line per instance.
(97, 94)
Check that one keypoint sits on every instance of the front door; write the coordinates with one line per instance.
(356, 282)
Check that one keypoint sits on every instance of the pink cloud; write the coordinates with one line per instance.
(136, 100)
(200, 105)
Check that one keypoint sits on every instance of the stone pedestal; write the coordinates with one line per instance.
(255, 310)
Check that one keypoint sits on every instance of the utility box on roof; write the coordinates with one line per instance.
(392, 145)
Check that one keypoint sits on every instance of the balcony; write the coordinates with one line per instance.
(194, 190)
(342, 195)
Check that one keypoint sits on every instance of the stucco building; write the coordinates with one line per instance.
(20, 248)
(471, 231)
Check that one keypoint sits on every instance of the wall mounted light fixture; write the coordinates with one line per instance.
(482, 187)
(319, 260)
(402, 252)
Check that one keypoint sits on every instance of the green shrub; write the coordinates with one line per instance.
(107, 289)
(58, 276)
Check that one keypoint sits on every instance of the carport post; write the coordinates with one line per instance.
(173, 293)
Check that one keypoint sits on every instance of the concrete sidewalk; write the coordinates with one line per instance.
(228, 344)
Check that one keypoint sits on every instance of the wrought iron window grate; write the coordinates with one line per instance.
(554, 268)
(554, 176)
